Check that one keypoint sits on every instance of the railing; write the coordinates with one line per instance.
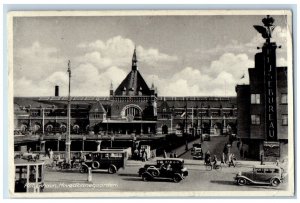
(195, 98)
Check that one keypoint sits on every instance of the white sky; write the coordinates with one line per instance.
(181, 55)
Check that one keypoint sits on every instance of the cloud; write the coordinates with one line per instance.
(36, 61)
(85, 81)
(98, 64)
(117, 51)
(220, 78)
(250, 48)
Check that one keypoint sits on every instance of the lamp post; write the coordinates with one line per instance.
(186, 133)
(111, 140)
(83, 139)
(201, 130)
(68, 138)
(58, 140)
(196, 128)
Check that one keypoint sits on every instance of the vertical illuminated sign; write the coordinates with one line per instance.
(269, 51)
(270, 77)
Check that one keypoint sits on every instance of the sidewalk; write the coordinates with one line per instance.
(240, 163)
(181, 150)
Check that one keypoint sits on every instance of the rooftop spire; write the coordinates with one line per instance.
(134, 60)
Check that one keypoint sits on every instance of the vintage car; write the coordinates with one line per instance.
(104, 160)
(198, 154)
(164, 168)
(206, 137)
(196, 146)
(261, 175)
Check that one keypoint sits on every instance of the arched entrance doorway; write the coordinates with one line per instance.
(217, 129)
(164, 129)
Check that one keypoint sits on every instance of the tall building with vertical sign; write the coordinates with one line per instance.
(262, 105)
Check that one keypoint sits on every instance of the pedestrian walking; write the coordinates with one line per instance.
(51, 154)
(175, 155)
(48, 152)
(223, 158)
(231, 160)
(207, 157)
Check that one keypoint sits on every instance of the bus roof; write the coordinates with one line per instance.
(171, 159)
(108, 151)
(265, 166)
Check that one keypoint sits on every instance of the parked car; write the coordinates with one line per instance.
(196, 146)
(261, 175)
(164, 168)
(206, 137)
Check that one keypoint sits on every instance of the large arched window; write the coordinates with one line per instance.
(36, 127)
(131, 111)
(63, 128)
(49, 128)
(76, 128)
(23, 128)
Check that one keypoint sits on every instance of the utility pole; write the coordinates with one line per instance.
(68, 137)
(201, 137)
(186, 132)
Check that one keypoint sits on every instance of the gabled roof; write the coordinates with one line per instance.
(133, 84)
(97, 107)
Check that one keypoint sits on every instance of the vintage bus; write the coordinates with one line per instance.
(111, 160)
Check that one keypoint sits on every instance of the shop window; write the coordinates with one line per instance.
(255, 119)
(255, 98)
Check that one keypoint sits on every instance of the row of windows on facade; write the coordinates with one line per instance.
(198, 116)
(255, 99)
(137, 99)
(255, 119)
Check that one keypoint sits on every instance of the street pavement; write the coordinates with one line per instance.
(127, 180)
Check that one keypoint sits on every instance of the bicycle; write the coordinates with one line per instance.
(210, 167)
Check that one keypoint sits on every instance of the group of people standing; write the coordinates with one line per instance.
(140, 155)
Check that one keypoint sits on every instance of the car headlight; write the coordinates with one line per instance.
(239, 173)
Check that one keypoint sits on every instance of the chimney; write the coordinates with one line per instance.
(56, 90)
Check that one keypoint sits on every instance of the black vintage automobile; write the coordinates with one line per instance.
(261, 175)
(164, 168)
(104, 160)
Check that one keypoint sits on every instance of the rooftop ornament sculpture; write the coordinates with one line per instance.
(267, 29)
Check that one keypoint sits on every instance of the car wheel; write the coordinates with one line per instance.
(112, 169)
(154, 173)
(241, 181)
(208, 167)
(177, 178)
(218, 167)
(275, 182)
